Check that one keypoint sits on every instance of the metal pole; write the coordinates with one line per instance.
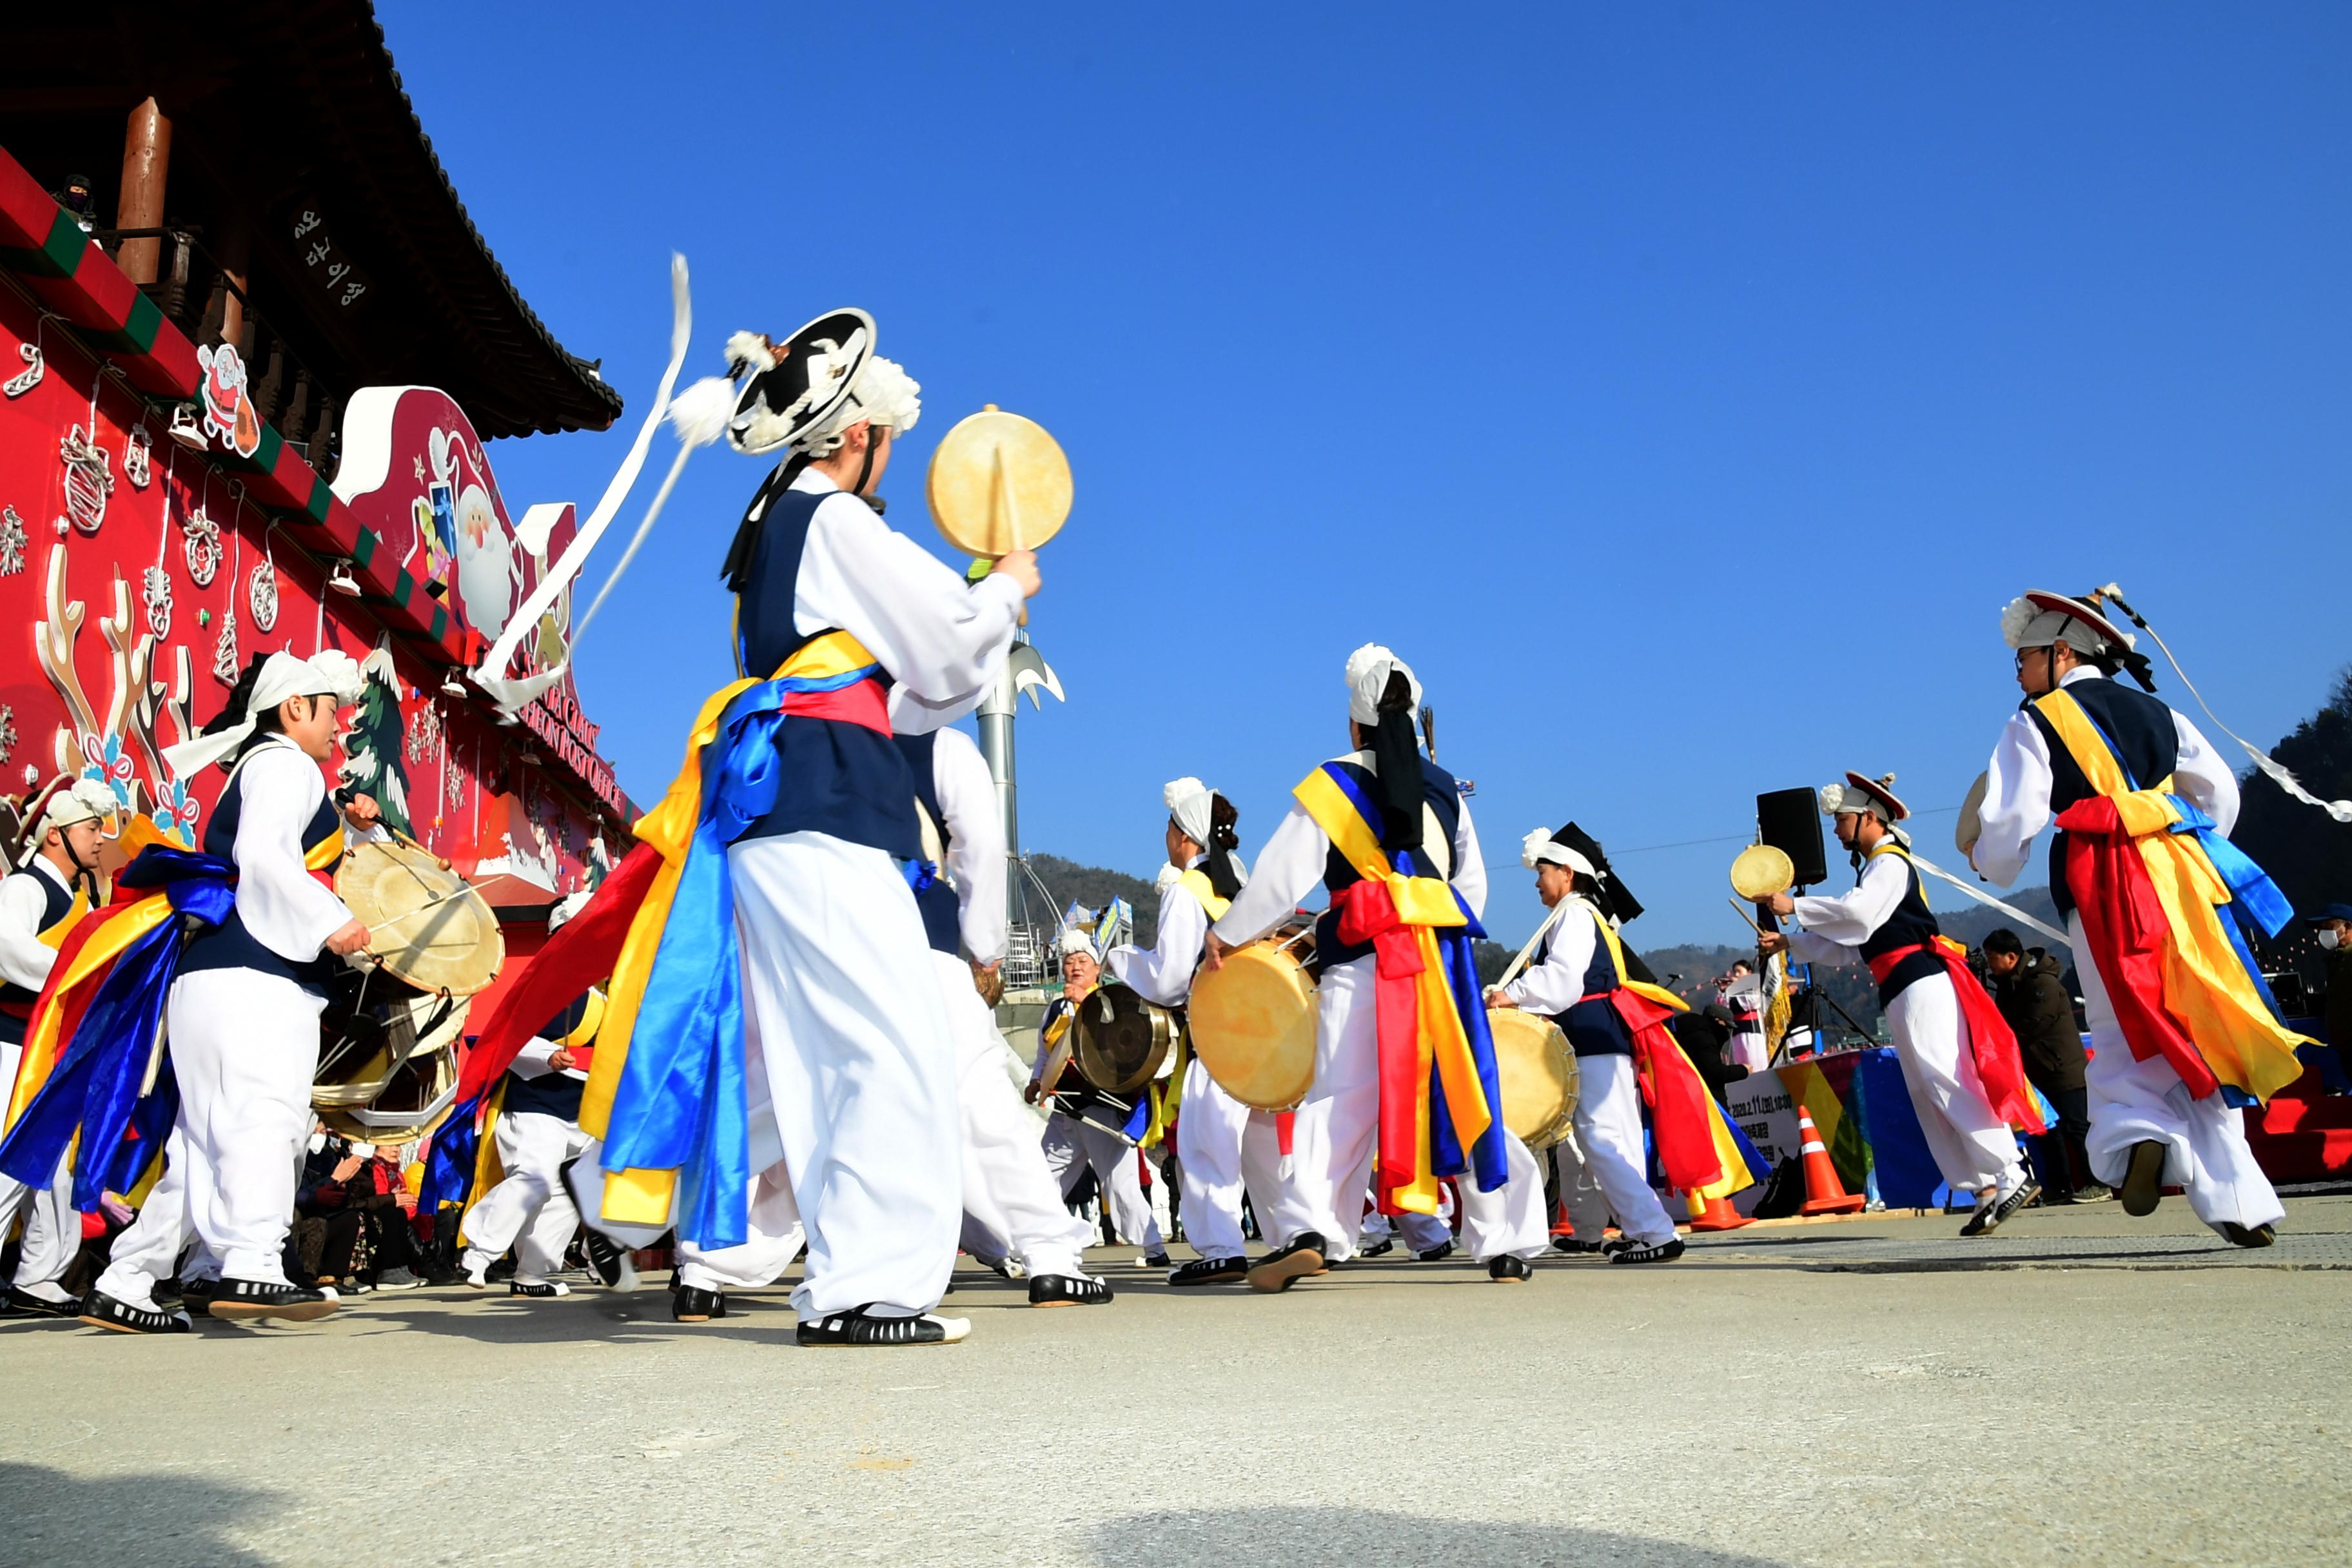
(996, 745)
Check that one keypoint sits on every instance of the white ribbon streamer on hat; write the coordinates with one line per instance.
(1980, 896)
(327, 673)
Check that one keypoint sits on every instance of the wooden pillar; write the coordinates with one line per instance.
(146, 159)
(234, 250)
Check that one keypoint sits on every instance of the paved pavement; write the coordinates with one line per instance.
(2080, 1388)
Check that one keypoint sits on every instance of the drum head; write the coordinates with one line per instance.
(1253, 1025)
(1971, 824)
(1538, 1074)
(1761, 870)
(426, 924)
(1122, 1038)
(998, 483)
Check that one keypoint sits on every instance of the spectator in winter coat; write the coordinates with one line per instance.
(2027, 985)
(2334, 929)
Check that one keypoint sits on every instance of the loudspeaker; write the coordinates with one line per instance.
(1790, 821)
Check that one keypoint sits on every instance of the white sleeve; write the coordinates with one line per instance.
(1557, 983)
(288, 911)
(531, 1060)
(936, 635)
(912, 714)
(1850, 918)
(1164, 974)
(2200, 776)
(25, 958)
(2016, 803)
(1469, 866)
(975, 825)
(1289, 869)
(1811, 947)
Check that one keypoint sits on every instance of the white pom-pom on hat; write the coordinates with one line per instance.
(700, 413)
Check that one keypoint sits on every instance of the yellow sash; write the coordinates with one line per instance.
(2206, 986)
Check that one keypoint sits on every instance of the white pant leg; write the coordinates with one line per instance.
(245, 1046)
(1510, 1219)
(1609, 1126)
(52, 1236)
(1114, 1162)
(148, 1249)
(529, 1210)
(1059, 1144)
(1423, 1231)
(2134, 1101)
(1579, 1190)
(1973, 1147)
(1008, 1188)
(762, 1258)
(1338, 1123)
(854, 1033)
(1212, 1130)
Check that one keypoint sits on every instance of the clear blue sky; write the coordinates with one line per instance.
(1682, 389)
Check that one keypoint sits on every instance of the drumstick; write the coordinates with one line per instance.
(1746, 916)
(1520, 962)
(400, 837)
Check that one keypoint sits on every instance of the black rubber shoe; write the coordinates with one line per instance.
(101, 1310)
(545, 1290)
(238, 1300)
(1066, 1290)
(609, 1261)
(856, 1328)
(25, 1304)
(2143, 1186)
(1281, 1270)
(1153, 1260)
(196, 1296)
(1209, 1271)
(1637, 1252)
(688, 1305)
(1438, 1254)
(2240, 1235)
(1568, 1246)
(1509, 1271)
(1379, 1249)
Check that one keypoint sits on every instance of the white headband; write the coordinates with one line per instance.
(84, 800)
(330, 673)
(1369, 669)
(884, 395)
(1540, 845)
(1189, 801)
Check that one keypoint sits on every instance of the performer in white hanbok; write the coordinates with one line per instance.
(1223, 1149)
(849, 1073)
(39, 905)
(1078, 1137)
(1008, 1190)
(2183, 1031)
(1577, 964)
(1423, 824)
(243, 1013)
(1959, 1059)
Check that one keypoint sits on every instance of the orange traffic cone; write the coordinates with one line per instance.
(1714, 1214)
(1824, 1193)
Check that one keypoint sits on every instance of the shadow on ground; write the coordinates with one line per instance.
(1365, 1538)
(63, 1521)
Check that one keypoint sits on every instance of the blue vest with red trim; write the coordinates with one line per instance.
(942, 921)
(229, 945)
(834, 775)
(2138, 726)
(1912, 924)
(1591, 1024)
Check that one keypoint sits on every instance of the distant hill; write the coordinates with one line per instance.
(1094, 887)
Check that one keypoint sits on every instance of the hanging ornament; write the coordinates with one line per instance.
(225, 664)
(263, 595)
(156, 590)
(201, 537)
(11, 542)
(24, 380)
(135, 450)
(32, 774)
(8, 731)
(88, 481)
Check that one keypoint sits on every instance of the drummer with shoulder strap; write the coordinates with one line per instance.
(1222, 1147)
(242, 1014)
(1076, 1137)
(1960, 1058)
(1388, 833)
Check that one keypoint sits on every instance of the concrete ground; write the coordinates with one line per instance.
(2080, 1388)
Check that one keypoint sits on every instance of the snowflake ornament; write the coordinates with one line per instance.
(262, 594)
(156, 590)
(11, 542)
(200, 539)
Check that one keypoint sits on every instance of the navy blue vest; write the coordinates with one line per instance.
(941, 921)
(55, 901)
(552, 1094)
(1444, 798)
(2141, 729)
(833, 777)
(229, 945)
(1592, 1026)
(1911, 924)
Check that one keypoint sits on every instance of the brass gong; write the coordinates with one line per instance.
(998, 483)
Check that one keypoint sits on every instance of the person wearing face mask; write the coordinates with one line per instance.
(1960, 1056)
(2182, 1030)
(1222, 1147)
(2334, 935)
(56, 885)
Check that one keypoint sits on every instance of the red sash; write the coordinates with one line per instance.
(1992, 1043)
(2126, 929)
(1367, 913)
